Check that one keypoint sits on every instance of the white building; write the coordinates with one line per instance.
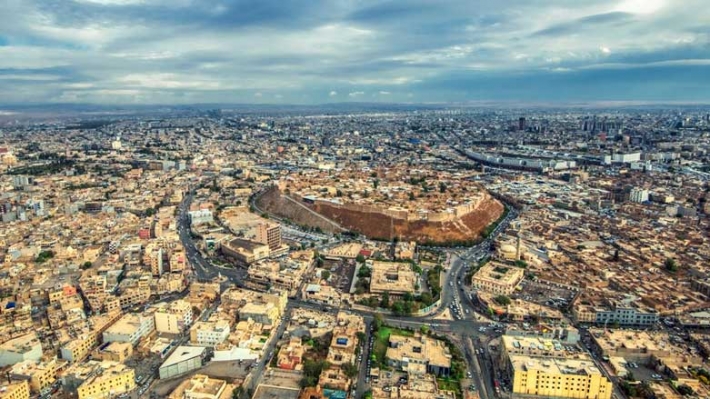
(16, 350)
(130, 328)
(209, 333)
(638, 195)
(621, 158)
(201, 216)
(183, 360)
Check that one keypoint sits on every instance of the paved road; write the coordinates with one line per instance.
(202, 268)
(465, 329)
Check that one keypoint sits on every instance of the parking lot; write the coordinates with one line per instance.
(544, 294)
(342, 273)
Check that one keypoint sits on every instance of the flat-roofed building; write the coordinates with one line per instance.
(291, 356)
(24, 347)
(99, 380)
(15, 390)
(269, 234)
(275, 275)
(173, 317)
(209, 333)
(260, 307)
(245, 251)
(130, 328)
(200, 386)
(642, 346)
(114, 351)
(559, 378)
(78, 348)
(392, 277)
(498, 278)
(40, 375)
(405, 250)
(419, 353)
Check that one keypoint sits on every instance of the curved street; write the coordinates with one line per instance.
(464, 333)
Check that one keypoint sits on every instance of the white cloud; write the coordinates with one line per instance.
(257, 94)
(356, 94)
(384, 93)
(333, 93)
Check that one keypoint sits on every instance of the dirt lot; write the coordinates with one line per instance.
(275, 392)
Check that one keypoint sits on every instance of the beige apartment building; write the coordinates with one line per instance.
(173, 317)
(114, 351)
(40, 375)
(100, 380)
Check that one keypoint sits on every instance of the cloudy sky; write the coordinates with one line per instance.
(312, 51)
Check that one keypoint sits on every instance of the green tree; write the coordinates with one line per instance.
(442, 187)
(424, 329)
(670, 265)
(86, 265)
(350, 370)
(385, 303)
(44, 256)
(685, 390)
(364, 272)
(150, 211)
(503, 300)
(360, 258)
(398, 308)
(411, 196)
(378, 321)
(325, 275)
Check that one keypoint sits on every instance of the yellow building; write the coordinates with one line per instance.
(98, 380)
(39, 374)
(559, 378)
(77, 349)
(114, 351)
(15, 390)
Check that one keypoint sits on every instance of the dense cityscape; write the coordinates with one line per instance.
(374, 252)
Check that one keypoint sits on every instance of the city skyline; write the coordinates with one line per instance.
(187, 52)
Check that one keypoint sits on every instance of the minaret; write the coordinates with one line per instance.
(517, 247)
